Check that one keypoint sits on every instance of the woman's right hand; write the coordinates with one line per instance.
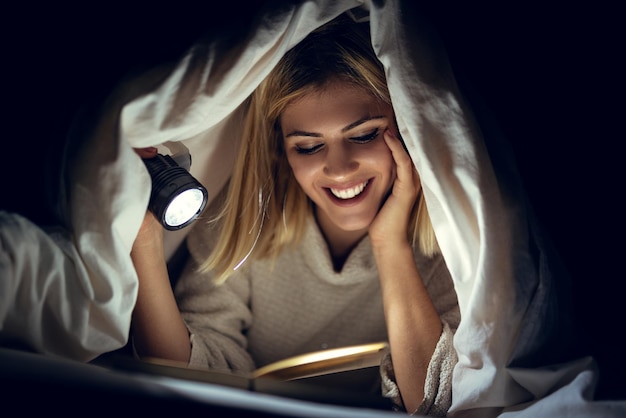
(150, 236)
(158, 328)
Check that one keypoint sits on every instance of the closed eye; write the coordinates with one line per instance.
(366, 138)
(308, 150)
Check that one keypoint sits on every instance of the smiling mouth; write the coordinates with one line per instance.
(349, 193)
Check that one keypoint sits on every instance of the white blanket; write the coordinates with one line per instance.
(71, 293)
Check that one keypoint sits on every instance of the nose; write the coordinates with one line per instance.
(340, 161)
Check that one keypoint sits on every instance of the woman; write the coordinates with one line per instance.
(323, 238)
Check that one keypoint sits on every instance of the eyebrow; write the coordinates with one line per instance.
(345, 129)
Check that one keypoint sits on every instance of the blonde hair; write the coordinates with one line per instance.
(265, 209)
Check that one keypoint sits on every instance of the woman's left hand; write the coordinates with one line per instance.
(391, 223)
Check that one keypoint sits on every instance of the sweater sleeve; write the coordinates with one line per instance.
(438, 384)
(217, 316)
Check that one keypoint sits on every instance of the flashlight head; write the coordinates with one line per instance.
(177, 198)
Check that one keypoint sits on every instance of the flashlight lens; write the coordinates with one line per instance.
(184, 207)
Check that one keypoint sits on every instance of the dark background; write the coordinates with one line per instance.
(550, 73)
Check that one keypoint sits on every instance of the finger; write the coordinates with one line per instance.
(148, 152)
(403, 160)
(395, 144)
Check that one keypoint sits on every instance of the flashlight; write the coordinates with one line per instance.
(177, 198)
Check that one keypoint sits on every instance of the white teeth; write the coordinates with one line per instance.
(349, 193)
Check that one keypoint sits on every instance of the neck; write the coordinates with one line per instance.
(340, 242)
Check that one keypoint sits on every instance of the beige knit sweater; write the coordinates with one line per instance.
(264, 314)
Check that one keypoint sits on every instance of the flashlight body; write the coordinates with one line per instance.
(170, 184)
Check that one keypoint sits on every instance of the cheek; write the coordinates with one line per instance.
(303, 169)
(380, 156)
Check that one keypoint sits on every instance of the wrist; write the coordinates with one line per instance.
(148, 249)
(391, 248)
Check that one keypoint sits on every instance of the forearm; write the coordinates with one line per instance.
(414, 327)
(157, 326)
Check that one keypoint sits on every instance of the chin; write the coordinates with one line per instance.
(355, 225)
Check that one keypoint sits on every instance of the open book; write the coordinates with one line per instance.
(324, 362)
(332, 376)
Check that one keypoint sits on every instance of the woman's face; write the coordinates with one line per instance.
(335, 147)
